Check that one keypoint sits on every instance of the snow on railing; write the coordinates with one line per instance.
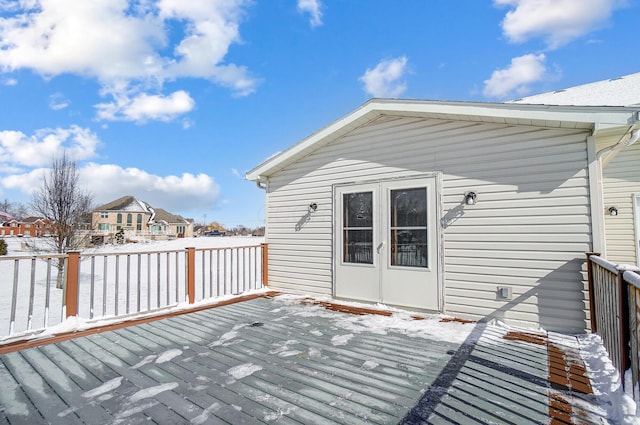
(43, 290)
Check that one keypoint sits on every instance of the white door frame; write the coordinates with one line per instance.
(438, 236)
(636, 220)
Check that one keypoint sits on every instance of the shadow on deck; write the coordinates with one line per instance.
(285, 360)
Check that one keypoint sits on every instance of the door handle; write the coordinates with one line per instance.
(380, 247)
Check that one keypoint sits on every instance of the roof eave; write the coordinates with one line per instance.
(507, 113)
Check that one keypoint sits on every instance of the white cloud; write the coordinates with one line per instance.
(187, 123)
(24, 160)
(236, 173)
(9, 82)
(189, 192)
(556, 21)
(144, 107)
(126, 43)
(57, 101)
(522, 71)
(107, 182)
(385, 80)
(19, 150)
(313, 8)
(26, 182)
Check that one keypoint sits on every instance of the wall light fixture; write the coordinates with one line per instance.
(470, 198)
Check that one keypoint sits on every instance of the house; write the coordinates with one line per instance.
(137, 218)
(29, 227)
(478, 210)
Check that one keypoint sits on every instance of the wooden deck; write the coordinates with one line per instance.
(275, 361)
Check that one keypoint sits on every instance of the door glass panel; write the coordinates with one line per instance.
(408, 227)
(357, 227)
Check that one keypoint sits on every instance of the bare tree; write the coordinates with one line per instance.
(15, 209)
(62, 200)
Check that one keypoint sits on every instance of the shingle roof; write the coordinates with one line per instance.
(116, 205)
(622, 91)
(162, 215)
(32, 219)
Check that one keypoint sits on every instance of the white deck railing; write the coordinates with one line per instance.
(109, 285)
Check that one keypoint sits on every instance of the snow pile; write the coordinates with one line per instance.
(606, 384)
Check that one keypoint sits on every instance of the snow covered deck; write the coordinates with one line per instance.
(287, 360)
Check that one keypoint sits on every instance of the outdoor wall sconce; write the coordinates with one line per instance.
(613, 211)
(313, 207)
(470, 198)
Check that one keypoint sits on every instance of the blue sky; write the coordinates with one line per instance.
(172, 101)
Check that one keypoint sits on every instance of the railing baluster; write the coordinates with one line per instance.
(178, 278)
(117, 294)
(92, 292)
(244, 269)
(128, 282)
(231, 270)
(14, 297)
(158, 280)
(32, 288)
(104, 287)
(148, 281)
(204, 295)
(168, 274)
(47, 300)
(218, 272)
(211, 273)
(138, 292)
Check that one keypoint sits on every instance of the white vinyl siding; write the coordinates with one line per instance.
(529, 229)
(621, 179)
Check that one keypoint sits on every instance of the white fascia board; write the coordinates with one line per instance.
(477, 111)
(324, 135)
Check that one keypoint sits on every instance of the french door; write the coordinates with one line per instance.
(386, 243)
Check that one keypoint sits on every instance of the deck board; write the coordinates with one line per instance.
(276, 361)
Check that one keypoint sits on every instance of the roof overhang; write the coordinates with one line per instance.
(591, 118)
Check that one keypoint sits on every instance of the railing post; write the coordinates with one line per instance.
(592, 300)
(265, 264)
(623, 322)
(71, 283)
(191, 274)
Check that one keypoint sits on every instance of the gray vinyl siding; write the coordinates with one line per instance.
(529, 229)
(621, 179)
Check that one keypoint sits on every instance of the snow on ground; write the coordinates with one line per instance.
(16, 246)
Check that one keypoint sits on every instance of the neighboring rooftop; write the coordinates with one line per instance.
(162, 215)
(126, 203)
(622, 91)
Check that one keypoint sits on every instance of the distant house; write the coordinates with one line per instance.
(28, 227)
(137, 218)
(479, 210)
